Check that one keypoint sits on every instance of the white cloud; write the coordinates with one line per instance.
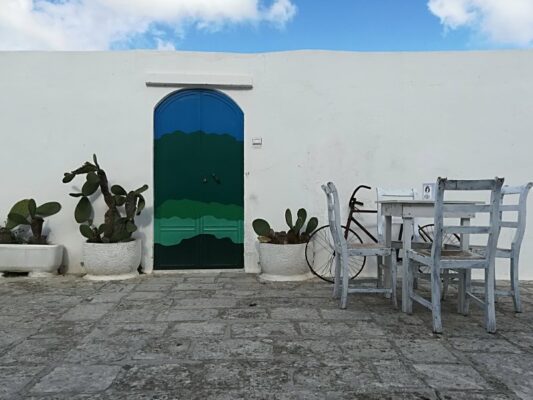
(499, 21)
(98, 24)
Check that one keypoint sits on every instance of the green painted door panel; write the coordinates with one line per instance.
(198, 181)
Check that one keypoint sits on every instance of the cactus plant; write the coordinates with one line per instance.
(26, 213)
(122, 206)
(296, 233)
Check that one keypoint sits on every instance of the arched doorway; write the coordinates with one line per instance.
(198, 181)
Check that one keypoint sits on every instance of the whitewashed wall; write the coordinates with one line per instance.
(384, 119)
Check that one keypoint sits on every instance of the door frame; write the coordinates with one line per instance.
(227, 98)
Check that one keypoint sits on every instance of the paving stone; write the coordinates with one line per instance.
(332, 329)
(135, 312)
(513, 370)
(191, 294)
(395, 374)
(486, 395)
(521, 339)
(164, 350)
(425, 350)
(198, 330)
(252, 313)
(299, 314)
(87, 312)
(63, 329)
(329, 378)
(345, 315)
(263, 329)
(483, 345)
(232, 348)
(187, 314)
(84, 379)
(456, 376)
(188, 286)
(367, 349)
(13, 379)
(384, 395)
(35, 351)
(158, 377)
(309, 351)
(245, 374)
(139, 296)
(200, 278)
(294, 343)
(204, 303)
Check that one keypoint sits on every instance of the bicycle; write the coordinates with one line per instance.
(320, 251)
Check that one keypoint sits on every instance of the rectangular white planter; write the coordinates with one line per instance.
(33, 258)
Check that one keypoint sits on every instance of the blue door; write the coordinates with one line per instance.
(198, 181)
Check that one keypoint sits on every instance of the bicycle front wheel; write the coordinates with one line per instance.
(320, 254)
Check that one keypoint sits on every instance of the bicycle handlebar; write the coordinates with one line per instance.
(353, 200)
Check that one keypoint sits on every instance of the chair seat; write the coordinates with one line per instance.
(500, 253)
(369, 249)
(453, 254)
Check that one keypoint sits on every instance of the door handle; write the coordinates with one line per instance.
(215, 178)
(204, 180)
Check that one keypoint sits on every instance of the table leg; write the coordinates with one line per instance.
(407, 302)
(467, 287)
(388, 242)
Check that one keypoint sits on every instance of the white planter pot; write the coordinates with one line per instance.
(283, 262)
(38, 259)
(111, 261)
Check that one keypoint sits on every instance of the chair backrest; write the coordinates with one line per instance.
(520, 208)
(334, 216)
(444, 209)
(391, 194)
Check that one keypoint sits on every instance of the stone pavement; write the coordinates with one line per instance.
(228, 336)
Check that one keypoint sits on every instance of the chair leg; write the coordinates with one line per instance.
(345, 280)
(490, 309)
(337, 279)
(461, 295)
(515, 284)
(445, 283)
(407, 285)
(394, 279)
(379, 282)
(435, 299)
(468, 289)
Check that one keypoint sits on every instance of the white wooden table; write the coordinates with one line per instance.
(408, 210)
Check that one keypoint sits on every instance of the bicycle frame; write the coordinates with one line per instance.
(354, 209)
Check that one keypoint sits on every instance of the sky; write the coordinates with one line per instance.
(266, 25)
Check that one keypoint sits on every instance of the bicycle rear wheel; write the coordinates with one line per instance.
(320, 254)
(427, 233)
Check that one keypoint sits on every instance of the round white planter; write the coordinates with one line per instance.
(283, 262)
(111, 261)
(39, 260)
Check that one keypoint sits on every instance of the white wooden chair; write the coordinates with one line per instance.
(513, 253)
(461, 261)
(343, 252)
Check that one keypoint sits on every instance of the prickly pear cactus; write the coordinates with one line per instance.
(26, 213)
(122, 206)
(298, 232)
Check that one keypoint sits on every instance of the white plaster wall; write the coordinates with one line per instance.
(384, 119)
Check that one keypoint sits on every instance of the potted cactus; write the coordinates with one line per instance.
(23, 247)
(282, 254)
(110, 251)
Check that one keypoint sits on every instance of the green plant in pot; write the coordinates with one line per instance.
(297, 233)
(26, 213)
(282, 253)
(23, 247)
(110, 251)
